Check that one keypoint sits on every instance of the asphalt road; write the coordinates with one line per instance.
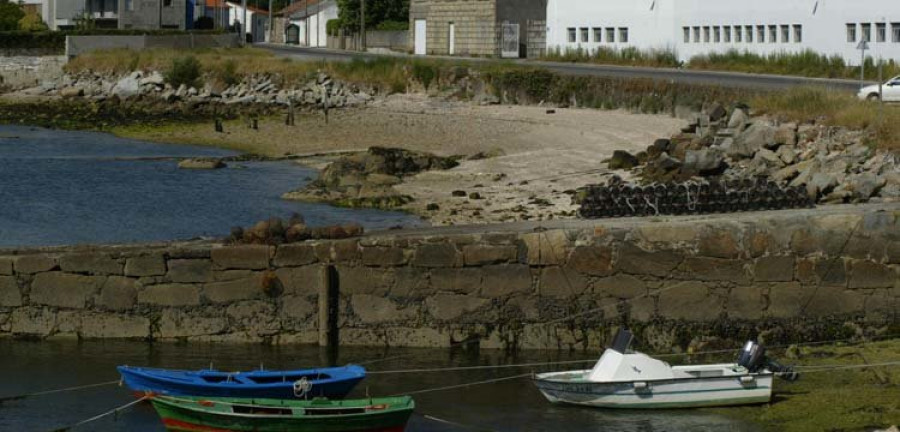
(726, 79)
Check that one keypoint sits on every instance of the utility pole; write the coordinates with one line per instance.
(244, 24)
(362, 25)
(271, 24)
(160, 2)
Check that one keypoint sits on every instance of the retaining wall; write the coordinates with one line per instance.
(783, 275)
(29, 71)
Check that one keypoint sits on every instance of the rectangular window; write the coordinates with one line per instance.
(726, 34)
(880, 32)
(761, 34)
(623, 34)
(572, 35)
(895, 31)
(773, 33)
(866, 30)
(610, 35)
(696, 34)
(851, 32)
(598, 34)
(717, 34)
(798, 33)
(706, 34)
(785, 33)
(687, 34)
(749, 30)
(738, 34)
(167, 3)
(584, 34)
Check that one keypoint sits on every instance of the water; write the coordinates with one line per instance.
(62, 187)
(505, 406)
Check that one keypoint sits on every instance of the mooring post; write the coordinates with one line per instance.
(328, 307)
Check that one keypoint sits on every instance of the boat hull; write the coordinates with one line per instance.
(208, 416)
(332, 383)
(658, 394)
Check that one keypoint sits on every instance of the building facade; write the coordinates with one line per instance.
(696, 27)
(70, 14)
(257, 21)
(487, 28)
(156, 14)
(306, 22)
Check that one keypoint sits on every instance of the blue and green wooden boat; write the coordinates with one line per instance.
(199, 414)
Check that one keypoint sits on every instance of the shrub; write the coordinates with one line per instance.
(393, 26)
(424, 73)
(32, 22)
(184, 70)
(333, 27)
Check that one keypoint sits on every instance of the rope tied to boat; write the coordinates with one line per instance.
(100, 416)
(302, 387)
(67, 389)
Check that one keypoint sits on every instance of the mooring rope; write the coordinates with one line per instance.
(826, 368)
(67, 389)
(453, 423)
(100, 416)
(457, 386)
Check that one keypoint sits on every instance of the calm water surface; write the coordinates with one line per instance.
(507, 406)
(63, 187)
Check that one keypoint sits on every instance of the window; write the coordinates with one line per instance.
(623, 34)
(773, 33)
(696, 34)
(866, 30)
(687, 34)
(167, 3)
(785, 33)
(749, 30)
(851, 32)
(610, 35)
(726, 34)
(706, 34)
(760, 34)
(798, 33)
(598, 34)
(572, 35)
(895, 31)
(880, 32)
(738, 34)
(584, 34)
(717, 34)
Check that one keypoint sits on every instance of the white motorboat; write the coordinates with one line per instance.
(627, 379)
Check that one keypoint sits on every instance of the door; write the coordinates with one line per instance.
(452, 39)
(421, 33)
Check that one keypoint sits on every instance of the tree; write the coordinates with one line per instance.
(32, 22)
(10, 14)
(377, 12)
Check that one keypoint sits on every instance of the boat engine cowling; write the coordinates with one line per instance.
(753, 357)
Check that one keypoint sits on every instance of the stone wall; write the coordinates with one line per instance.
(18, 72)
(475, 24)
(792, 275)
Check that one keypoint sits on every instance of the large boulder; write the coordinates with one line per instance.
(739, 118)
(746, 144)
(128, 86)
(867, 184)
(154, 78)
(622, 160)
(704, 161)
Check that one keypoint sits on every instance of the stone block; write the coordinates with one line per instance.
(437, 255)
(345, 250)
(806, 271)
(715, 269)
(642, 309)
(243, 257)
(145, 265)
(176, 323)
(635, 260)
(787, 300)
(302, 281)
(31, 264)
(231, 291)
(774, 269)
(831, 271)
(478, 255)
(32, 321)
(114, 326)
(719, 244)
(546, 248)
(505, 280)
(527, 307)
(293, 255)
(257, 318)
(6, 266)
(867, 274)
(621, 286)
(690, 301)
(297, 309)
(758, 243)
(10, 295)
(410, 282)
(90, 263)
(170, 295)
(230, 275)
(591, 260)
(452, 307)
(746, 303)
(456, 280)
(379, 256)
(364, 280)
(377, 310)
(118, 293)
(892, 252)
(833, 300)
(64, 290)
(561, 282)
(667, 233)
(189, 270)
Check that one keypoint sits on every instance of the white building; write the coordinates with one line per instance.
(307, 22)
(258, 19)
(692, 27)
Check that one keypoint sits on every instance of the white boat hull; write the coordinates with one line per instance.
(571, 388)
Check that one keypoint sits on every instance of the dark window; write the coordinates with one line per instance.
(866, 30)
(623, 34)
(610, 35)
(598, 34)
(798, 33)
(895, 32)
(761, 34)
(584, 34)
(851, 32)
(572, 35)
(726, 34)
(880, 32)
(773, 34)
(749, 30)
(167, 3)
(785, 33)
(687, 34)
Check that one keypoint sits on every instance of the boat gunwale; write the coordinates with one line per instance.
(188, 404)
(537, 378)
(197, 380)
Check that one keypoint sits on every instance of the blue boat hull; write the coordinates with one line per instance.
(332, 383)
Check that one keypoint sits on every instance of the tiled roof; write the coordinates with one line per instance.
(298, 6)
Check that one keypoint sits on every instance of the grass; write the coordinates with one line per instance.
(623, 57)
(807, 63)
(841, 400)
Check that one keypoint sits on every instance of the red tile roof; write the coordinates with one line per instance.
(298, 6)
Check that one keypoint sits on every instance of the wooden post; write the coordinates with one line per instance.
(329, 297)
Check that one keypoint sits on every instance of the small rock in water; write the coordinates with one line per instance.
(458, 193)
(201, 163)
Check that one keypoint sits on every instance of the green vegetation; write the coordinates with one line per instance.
(32, 22)
(807, 63)
(10, 14)
(839, 400)
(184, 71)
(377, 12)
(624, 57)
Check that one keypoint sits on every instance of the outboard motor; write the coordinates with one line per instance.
(753, 357)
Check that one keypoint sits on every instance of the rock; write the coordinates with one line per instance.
(475, 196)
(622, 160)
(769, 158)
(786, 135)
(486, 99)
(201, 163)
(147, 265)
(458, 193)
(705, 161)
(746, 144)
(739, 118)
(154, 78)
(70, 92)
(820, 184)
(787, 154)
(127, 87)
(716, 112)
(866, 184)
(668, 163)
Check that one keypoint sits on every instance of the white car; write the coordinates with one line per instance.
(890, 91)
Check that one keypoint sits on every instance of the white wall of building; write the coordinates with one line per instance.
(314, 28)
(659, 24)
(257, 21)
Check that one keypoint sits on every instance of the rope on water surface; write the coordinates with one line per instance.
(453, 423)
(469, 384)
(67, 389)
(100, 416)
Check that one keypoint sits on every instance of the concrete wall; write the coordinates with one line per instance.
(76, 45)
(786, 275)
(28, 71)
(823, 24)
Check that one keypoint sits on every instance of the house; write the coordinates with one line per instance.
(306, 22)
(495, 28)
(694, 27)
(257, 19)
(123, 14)
(217, 10)
(156, 14)
(69, 14)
